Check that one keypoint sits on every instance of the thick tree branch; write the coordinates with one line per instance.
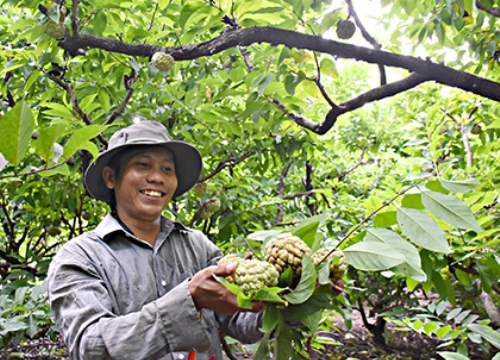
(129, 81)
(492, 11)
(228, 163)
(369, 38)
(355, 103)
(247, 36)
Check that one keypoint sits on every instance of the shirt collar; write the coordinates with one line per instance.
(110, 225)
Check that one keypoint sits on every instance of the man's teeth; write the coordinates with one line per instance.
(152, 193)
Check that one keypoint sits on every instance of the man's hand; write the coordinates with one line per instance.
(208, 293)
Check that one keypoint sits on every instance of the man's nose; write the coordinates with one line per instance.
(155, 174)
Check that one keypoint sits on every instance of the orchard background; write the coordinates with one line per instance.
(299, 129)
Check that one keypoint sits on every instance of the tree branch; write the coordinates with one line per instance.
(129, 81)
(281, 192)
(247, 36)
(368, 37)
(150, 26)
(492, 11)
(74, 101)
(228, 163)
(355, 103)
(321, 88)
(74, 18)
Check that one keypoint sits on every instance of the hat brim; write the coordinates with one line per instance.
(188, 165)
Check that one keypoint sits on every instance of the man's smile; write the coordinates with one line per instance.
(153, 193)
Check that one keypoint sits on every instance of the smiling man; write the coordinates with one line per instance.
(141, 286)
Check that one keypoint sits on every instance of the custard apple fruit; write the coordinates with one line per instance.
(213, 205)
(162, 61)
(255, 275)
(345, 29)
(230, 258)
(200, 189)
(337, 267)
(55, 30)
(285, 251)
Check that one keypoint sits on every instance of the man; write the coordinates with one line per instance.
(141, 286)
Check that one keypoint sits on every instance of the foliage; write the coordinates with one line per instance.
(408, 184)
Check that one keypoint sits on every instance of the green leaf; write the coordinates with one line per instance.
(307, 283)
(311, 320)
(80, 137)
(328, 67)
(448, 355)
(244, 301)
(16, 129)
(324, 272)
(284, 349)
(411, 266)
(440, 284)
(496, 357)
(422, 230)
(488, 334)
(442, 332)
(463, 186)
(450, 209)
(430, 327)
(269, 295)
(413, 201)
(371, 255)
(60, 170)
(385, 219)
(262, 352)
(271, 318)
(307, 229)
(46, 138)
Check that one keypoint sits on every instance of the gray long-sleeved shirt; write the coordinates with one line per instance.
(117, 297)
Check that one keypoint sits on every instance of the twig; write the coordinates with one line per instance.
(32, 172)
(317, 80)
(385, 204)
(246, 57)
(153, 17)
(370, 96)
(129, 81)
(74, 18)
(7, 217)
(281, 191)
(465, 138)
(369, 38)
(74, 102)
(228, 163)
(492, 11)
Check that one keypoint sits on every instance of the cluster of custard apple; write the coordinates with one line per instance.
(281, 253)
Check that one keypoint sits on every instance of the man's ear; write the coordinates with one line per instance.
(108, 176)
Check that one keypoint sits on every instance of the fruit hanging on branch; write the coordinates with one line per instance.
(162, 61)
(200, 189)
(210, 207)
(338, 264)
(345, 29)
(55, 30)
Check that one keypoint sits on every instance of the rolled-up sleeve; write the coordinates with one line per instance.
(84, 312)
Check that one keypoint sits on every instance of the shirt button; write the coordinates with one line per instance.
(164, 283)
(181, 356)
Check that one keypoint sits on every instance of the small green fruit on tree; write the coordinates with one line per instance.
(345, 29)
(55, 30)
(162, 61)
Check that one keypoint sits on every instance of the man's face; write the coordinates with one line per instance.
(145, 184)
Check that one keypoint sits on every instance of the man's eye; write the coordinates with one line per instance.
(168, 169)
(142, 164)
